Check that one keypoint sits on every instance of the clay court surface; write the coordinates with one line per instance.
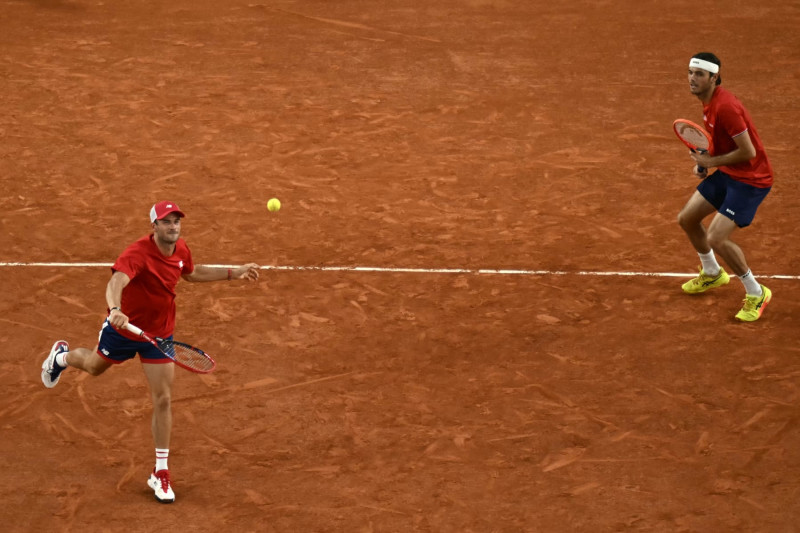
(469, 135)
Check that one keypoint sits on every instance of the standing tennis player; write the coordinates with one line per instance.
(142, 290)
(734, 191)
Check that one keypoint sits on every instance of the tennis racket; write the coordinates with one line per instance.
(693, 136)
(184, 355)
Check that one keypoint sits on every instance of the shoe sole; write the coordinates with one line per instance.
(47, 381)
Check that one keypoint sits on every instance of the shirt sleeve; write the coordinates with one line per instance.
(130, 262)
(731, 119)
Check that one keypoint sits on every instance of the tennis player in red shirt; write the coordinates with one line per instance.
(734, 191)
(142, 290)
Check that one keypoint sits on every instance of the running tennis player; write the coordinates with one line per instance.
(142, 290)
(734, 191)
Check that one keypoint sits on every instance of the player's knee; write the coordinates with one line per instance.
(685, 221)
(162, 401)
(716, 240)
(96, 370)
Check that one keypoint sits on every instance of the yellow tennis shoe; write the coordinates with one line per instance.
(754, 306)
(703, 282)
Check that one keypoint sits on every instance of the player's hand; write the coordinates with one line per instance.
(700, 174)
(248, 271)
(703, 159)
(118, 319)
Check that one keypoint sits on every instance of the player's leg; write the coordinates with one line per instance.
(738, 211)
(691, 220)
(112, 348)
(87, 360)
(719, 238)
(160, 377)
(61, 357)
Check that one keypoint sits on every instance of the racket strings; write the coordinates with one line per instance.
(693, 136)
(188, 356)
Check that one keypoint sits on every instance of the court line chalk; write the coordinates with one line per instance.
(406, 270)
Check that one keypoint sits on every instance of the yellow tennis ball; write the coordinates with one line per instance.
(274, 204)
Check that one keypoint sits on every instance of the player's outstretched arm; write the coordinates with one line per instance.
(207, 273)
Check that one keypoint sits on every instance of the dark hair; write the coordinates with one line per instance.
(711, 58)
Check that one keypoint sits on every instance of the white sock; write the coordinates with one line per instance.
(709, 262)
(161, 458)
(61, 359)
(751, 286)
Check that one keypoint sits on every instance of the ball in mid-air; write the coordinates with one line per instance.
(274, 204)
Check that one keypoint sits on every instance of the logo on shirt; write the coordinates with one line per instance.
(729, 211)
(180, 263)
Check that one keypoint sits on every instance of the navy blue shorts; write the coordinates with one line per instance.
(115, 348)
(736, 200)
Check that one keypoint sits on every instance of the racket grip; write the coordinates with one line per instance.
(133, 329)
(700, 151)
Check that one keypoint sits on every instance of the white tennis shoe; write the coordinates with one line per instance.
(51, 371)
(159, 482)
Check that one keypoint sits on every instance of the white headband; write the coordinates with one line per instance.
(705, 65)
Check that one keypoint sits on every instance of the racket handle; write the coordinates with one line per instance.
(700, 151)
(133, 329)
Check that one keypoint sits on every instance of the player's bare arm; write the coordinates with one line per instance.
(119, 280)
(206, 273)
(745, 151)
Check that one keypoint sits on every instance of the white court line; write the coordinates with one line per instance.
(420, 270)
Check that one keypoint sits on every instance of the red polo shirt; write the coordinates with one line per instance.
(149, 299)
(725, 117)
